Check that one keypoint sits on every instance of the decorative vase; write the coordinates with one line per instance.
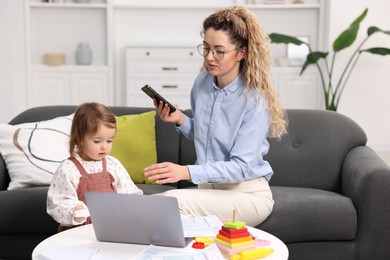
(84, 54)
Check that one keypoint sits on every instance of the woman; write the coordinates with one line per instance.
(235, 108)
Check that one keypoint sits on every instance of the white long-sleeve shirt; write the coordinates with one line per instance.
(62, 195)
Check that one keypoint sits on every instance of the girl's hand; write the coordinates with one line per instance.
(163, 111)
(167, 172)
(78, 212)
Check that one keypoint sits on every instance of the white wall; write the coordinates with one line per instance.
(12, 60)
(366, 96)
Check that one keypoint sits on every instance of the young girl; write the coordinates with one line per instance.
(89, 167)
(235, 109)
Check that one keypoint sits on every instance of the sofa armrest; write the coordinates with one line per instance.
(4, 177)
(366, 180)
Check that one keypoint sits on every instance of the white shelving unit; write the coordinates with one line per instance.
(111, 26)
(157, 23)
(58, 28)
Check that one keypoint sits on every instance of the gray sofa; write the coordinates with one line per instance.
(331, 191)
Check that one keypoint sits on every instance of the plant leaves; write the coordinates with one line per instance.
(344, 40)
(360, 18)
(348, 36)
(282, 38)
(374, 29)
(378, 50)
(312, 58)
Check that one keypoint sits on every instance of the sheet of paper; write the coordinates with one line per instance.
(169, 253)
(65, 253)
(201, 226)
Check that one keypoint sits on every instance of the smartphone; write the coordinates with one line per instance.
(153, 94)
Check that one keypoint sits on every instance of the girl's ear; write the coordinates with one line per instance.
(79, 147)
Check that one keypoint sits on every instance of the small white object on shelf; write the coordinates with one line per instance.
(84, 54)
(274, 2)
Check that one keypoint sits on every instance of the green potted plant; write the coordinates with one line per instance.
(333, 92)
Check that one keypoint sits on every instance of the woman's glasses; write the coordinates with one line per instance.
(217, 54)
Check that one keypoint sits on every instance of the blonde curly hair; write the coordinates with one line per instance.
(245, 31)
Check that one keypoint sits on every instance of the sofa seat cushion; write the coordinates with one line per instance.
(30, 204)
(304, 214)
(23, 211)
(149, 189)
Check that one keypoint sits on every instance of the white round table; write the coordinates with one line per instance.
(75, 243)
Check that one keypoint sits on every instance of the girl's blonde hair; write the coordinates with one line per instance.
(245, 31)
(87, 119)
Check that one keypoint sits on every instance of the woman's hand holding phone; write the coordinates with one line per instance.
(167, 112)
(167, 116)
(154, 95)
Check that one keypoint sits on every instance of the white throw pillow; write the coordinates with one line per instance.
(33, 151)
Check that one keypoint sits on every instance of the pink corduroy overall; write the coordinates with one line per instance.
(101, 182)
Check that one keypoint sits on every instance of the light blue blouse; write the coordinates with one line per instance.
(229, 128)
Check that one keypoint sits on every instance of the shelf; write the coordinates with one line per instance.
(292, 69)
(52, 29)
(283, 6)
(167, 6)
(67, 5)
(212, 6)
(73, 68)
(111, 25)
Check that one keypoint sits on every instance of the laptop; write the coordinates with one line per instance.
(136, 219)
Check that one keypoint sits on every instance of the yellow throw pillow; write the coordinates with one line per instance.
(135, 143)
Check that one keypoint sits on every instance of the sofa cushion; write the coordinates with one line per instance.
(135, 143)
(305, 214)
(33, 151)
(167, 138)
(311, 154)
